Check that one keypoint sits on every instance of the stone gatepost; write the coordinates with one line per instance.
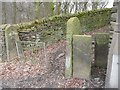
(73, 28)
(11, 38)
(78, 51)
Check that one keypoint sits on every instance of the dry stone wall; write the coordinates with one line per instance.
(54, 28)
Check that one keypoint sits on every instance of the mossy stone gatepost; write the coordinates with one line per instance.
(79, 51)
(11, 37)
(101, 49)
(73, 28)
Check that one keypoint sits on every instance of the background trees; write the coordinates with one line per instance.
(18, 12)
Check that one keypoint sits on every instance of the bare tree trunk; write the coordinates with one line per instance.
(59, 8)
(71, 8)
(80, 6)
(94, 5)
(4, 21)
(36, 9)
(47, 9)
(66, 6)
(52, 8)
(76, 6)
(84, 6)
(14, 11)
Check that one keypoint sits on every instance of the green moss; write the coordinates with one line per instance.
(73, 28)
(90, 16)
(102, 38)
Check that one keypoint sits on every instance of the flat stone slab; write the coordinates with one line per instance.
(82, 56)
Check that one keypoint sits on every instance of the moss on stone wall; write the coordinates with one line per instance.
(90, 19)
(49, 27)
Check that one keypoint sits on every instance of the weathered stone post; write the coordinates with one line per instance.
(73, 28)
(11, 37)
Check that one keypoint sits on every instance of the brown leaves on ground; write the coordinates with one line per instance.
(48, 73)
(14, 70)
